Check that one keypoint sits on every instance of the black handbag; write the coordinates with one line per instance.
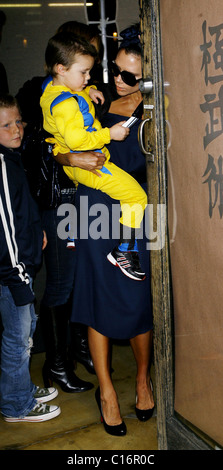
(42, 170)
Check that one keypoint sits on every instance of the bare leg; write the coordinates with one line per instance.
(100, 352)
(141, 346)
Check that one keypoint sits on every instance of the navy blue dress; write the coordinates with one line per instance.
(104, 298)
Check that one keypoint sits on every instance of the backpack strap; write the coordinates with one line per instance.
(62, 97)
(45, 82)
(84, 108)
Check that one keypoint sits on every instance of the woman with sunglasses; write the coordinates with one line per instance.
(103, 298)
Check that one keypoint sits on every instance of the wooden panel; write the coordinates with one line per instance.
(192, 57)
(157, 185)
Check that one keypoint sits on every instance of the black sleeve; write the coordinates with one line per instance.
(13, 271)
(4, 88)
(28, 98)
(109, 95)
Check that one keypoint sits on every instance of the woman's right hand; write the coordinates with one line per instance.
(118, 132)
(90, 161)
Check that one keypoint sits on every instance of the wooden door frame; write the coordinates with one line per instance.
(172, 433)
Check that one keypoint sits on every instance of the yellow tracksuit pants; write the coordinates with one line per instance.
(118, 185)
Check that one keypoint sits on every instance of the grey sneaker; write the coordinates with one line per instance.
(40, 412)
(42, 395)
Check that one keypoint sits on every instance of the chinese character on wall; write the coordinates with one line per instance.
(212, 49)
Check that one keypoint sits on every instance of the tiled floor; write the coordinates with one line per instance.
(79, 427)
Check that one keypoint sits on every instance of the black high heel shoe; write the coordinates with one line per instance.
(145, 415)
(117, 430)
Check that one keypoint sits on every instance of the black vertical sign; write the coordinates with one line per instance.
(212, 50)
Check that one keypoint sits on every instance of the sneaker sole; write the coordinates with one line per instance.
(47, 398)
(34, 419)
(115, 263)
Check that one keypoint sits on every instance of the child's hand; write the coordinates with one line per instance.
(96, 95)
(117, 132)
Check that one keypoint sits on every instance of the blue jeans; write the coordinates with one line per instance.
(16, 388)
(59, 261)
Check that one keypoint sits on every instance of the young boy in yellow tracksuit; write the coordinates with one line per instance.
(69, 115)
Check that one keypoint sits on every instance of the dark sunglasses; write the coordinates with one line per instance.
(127, 77)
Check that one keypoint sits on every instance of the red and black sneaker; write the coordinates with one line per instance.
(128, 262)
(71, 244)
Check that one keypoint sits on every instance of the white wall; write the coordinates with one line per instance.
(127, 13)
(37, 25)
